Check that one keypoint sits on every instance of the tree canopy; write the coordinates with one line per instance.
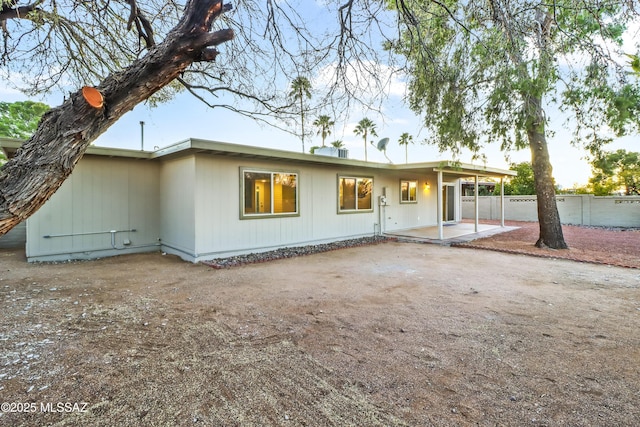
(20, 119)
(64, 45)
(406, 139)
(478, 71)
(300, 91)
(491, 71)
(616, 171)
(365, 127)
(523, 183)
(138, 50)
(324, 124)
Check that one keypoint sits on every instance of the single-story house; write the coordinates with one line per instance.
(203, 200)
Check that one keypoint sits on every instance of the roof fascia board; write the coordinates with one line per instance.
(471, 170)
(193, 145)
(11, 145)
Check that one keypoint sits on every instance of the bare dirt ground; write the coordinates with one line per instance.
(390, 334)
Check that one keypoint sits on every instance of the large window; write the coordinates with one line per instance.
(354, 194)
(408, 191)
(266, 193)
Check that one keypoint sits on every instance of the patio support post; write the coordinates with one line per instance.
(439, 198)
(501, 201)
(476, 201)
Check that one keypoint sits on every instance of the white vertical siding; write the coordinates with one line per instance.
(15, 238)
(177, 204)
(101, 195)
(220, 231)
(398, 215)
(217, 202)
(191, 204)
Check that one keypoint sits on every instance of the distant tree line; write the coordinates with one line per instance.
(19, 120)
(612, 172)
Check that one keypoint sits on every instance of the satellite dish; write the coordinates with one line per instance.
(382, 144)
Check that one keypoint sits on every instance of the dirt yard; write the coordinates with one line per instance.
(393, 334)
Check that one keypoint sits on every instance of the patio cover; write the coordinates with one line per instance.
(449, 171)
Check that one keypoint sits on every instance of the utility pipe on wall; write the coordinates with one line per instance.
(49, 236)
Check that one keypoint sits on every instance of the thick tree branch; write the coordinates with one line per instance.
(22, 12)
(43, 162)
(143, 26)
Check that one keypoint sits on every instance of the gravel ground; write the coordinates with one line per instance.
(292, 252)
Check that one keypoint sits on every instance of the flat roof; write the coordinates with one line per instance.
(194, 146)
(10, 145)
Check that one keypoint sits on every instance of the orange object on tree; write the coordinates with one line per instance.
(93, 96)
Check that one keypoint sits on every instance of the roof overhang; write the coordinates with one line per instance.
(9, 146)
(450, 169)
(201, 146)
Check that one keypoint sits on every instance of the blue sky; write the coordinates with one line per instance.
(186, 117)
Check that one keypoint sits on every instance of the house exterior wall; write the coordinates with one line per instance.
(177, 206)
(187, 200)
(103, 194)
(15, 238)
(397, 215)
(201, 207)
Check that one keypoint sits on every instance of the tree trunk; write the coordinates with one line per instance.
(302, 119)
(548, 218)
(365, 145)
(42, 163)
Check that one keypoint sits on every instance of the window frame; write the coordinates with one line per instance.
(357, 178)
(272, 172)
(409, 201)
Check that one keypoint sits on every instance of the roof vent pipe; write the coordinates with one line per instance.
(141, 136)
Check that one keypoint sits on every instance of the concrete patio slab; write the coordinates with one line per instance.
(453, 233)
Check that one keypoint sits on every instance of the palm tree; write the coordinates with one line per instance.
(301, 88)
(405, 139)
(337, 144)
(324, 124)
(365, 127)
